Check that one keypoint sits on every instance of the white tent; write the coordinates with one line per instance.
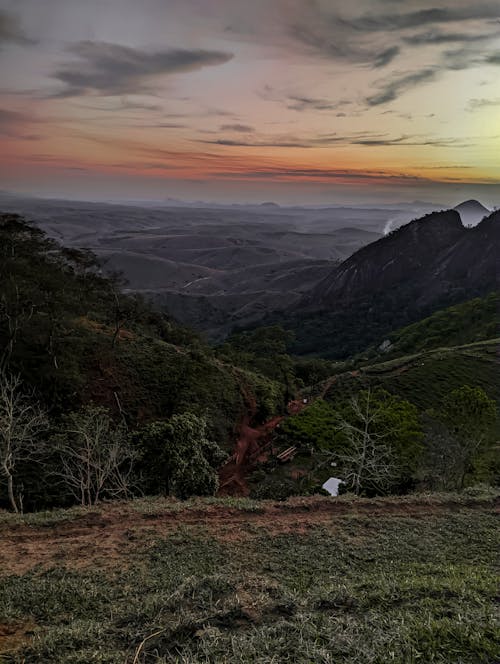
(332, 486)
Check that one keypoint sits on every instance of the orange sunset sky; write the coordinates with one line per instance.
(296, 101)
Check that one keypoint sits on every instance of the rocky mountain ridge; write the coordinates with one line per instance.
(431, 262)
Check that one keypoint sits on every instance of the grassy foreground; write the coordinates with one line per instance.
(311, 581)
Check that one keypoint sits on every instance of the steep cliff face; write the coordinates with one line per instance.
(471, 266)
(400, 257)
(430, 263)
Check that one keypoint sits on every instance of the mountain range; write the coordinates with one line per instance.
(432, 262)
(331, 275)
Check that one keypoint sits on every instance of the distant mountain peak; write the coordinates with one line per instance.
(471, 206)
(471, 212)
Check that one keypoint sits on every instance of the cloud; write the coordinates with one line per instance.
(271, 143)
(164, 125)
(412, 140)
(278, 141)
(436, 37)
(12, 125)
(304, 103)
(11, 31)
(493, 59)
(324, 140)
(244, 129)
(475, 104)
(387, 56)
(418, 19)
(396, 86)
(343, 175)
(123, 104)
(300, 101)
(327, 39)
(113, 69)
(362, 38)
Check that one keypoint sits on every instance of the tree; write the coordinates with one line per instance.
(461, 431)
(21, 423)
(312, 429)
(177, 457)
(96, 458)
(125, 309)
(381, 441)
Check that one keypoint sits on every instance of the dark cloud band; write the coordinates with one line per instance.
(110, 69)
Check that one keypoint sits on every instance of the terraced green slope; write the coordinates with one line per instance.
(471, 321)
(424, 378)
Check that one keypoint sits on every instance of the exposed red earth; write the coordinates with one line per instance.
(252, 447)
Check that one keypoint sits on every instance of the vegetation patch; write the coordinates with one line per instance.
(366, 585)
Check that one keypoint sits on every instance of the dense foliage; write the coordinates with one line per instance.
(461, 440)
(461, 324)
(177, 458)
(72, 339)
(373, 440)
(267, 350)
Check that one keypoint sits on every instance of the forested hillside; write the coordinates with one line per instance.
(71, 340)
(465, 323)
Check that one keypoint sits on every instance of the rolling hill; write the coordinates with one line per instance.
(213, 268)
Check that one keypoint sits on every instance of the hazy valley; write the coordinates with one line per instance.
(216, 268)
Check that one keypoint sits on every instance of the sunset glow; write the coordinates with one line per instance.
(286, 100)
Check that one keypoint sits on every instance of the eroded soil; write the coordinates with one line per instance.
(120, 532)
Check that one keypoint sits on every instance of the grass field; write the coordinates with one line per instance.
(310, 580)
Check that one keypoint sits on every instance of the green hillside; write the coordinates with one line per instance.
(75, 338)
(425, 378)
(75, 342)
(465, 323)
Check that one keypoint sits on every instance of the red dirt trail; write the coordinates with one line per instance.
(251, 448)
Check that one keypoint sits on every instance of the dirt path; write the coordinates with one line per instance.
(120, 532)
(251, 448)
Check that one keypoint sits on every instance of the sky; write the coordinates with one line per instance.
(293, 101)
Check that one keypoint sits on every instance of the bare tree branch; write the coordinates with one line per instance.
(21, 422)
(96, 458)
(368, 461)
